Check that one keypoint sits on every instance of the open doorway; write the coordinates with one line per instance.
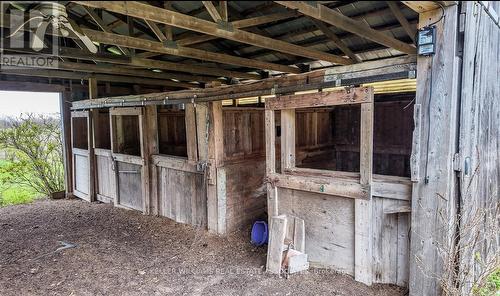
(31, 161)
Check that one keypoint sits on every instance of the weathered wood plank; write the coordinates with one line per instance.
(434, 195)
(363, 230)
(330, 98)
(344, 188)
(275, 248)
(187, 22)
(343, 22)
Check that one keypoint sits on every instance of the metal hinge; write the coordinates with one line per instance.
(457, 162)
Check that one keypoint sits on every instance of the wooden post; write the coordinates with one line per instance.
(65, 104)
(433, 197)
(146, 202)
(151, 138)
(190, 119)
(363, 207)
(272, 199)
(92, 120)
(216, 157)
(210, 150)
(113, 135)
(92, 88)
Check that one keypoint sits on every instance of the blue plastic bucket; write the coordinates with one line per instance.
(259, 233)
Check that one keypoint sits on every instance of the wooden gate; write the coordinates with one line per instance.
(81, 141)
(129, 163)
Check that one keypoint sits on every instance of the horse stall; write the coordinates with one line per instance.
(200, 164)
(344, 170)
(210, 168)
(81, 142)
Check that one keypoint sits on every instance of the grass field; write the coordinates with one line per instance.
(14, 194)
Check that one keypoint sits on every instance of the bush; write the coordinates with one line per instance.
(34, 148)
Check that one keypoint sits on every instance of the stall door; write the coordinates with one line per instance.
(81, 148)
(128, 150)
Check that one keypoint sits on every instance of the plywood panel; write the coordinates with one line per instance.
(329, 227)
(182, 196)
(105, 178)
(81, 173)
(129, 184)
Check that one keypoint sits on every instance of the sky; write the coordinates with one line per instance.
(13, 103)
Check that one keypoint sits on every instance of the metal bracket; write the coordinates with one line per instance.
(457, 162)
(170, 44)
(223, 25)
(412, 74)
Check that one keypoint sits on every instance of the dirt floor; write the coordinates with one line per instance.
(120, 252)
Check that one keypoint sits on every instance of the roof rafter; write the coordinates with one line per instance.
(334, 18)
(212, 10)
(396, 10)
(180, 20)
(148, 45)
(50, 73)
(140, 62)
(335, 39)
(100, 22)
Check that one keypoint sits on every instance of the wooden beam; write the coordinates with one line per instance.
(75, 53)
(368, 71)
(168, 29)
(156, 30)
(240, 24)
(190, 121)
(93, 90)
(102, 25)
(396, 10)
(188, 52)
(330, 98)
(212, 10)
(187, 22)
(48, 73)
(270, 133)
(434, 197)
(104, 69)
(223, 11)
(108, 69)
(328, 186)
(335, 39)
(363, 230)
(424, 6)
(31, 86)
(334, 18)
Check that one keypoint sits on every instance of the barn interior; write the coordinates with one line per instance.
(188, 110)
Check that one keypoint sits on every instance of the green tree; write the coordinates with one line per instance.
(34, 148)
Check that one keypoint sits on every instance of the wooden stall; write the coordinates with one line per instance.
(178, 180)
(356, 221)
(198, 164)
(210, 165)
(82, 150)
(130, 159)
